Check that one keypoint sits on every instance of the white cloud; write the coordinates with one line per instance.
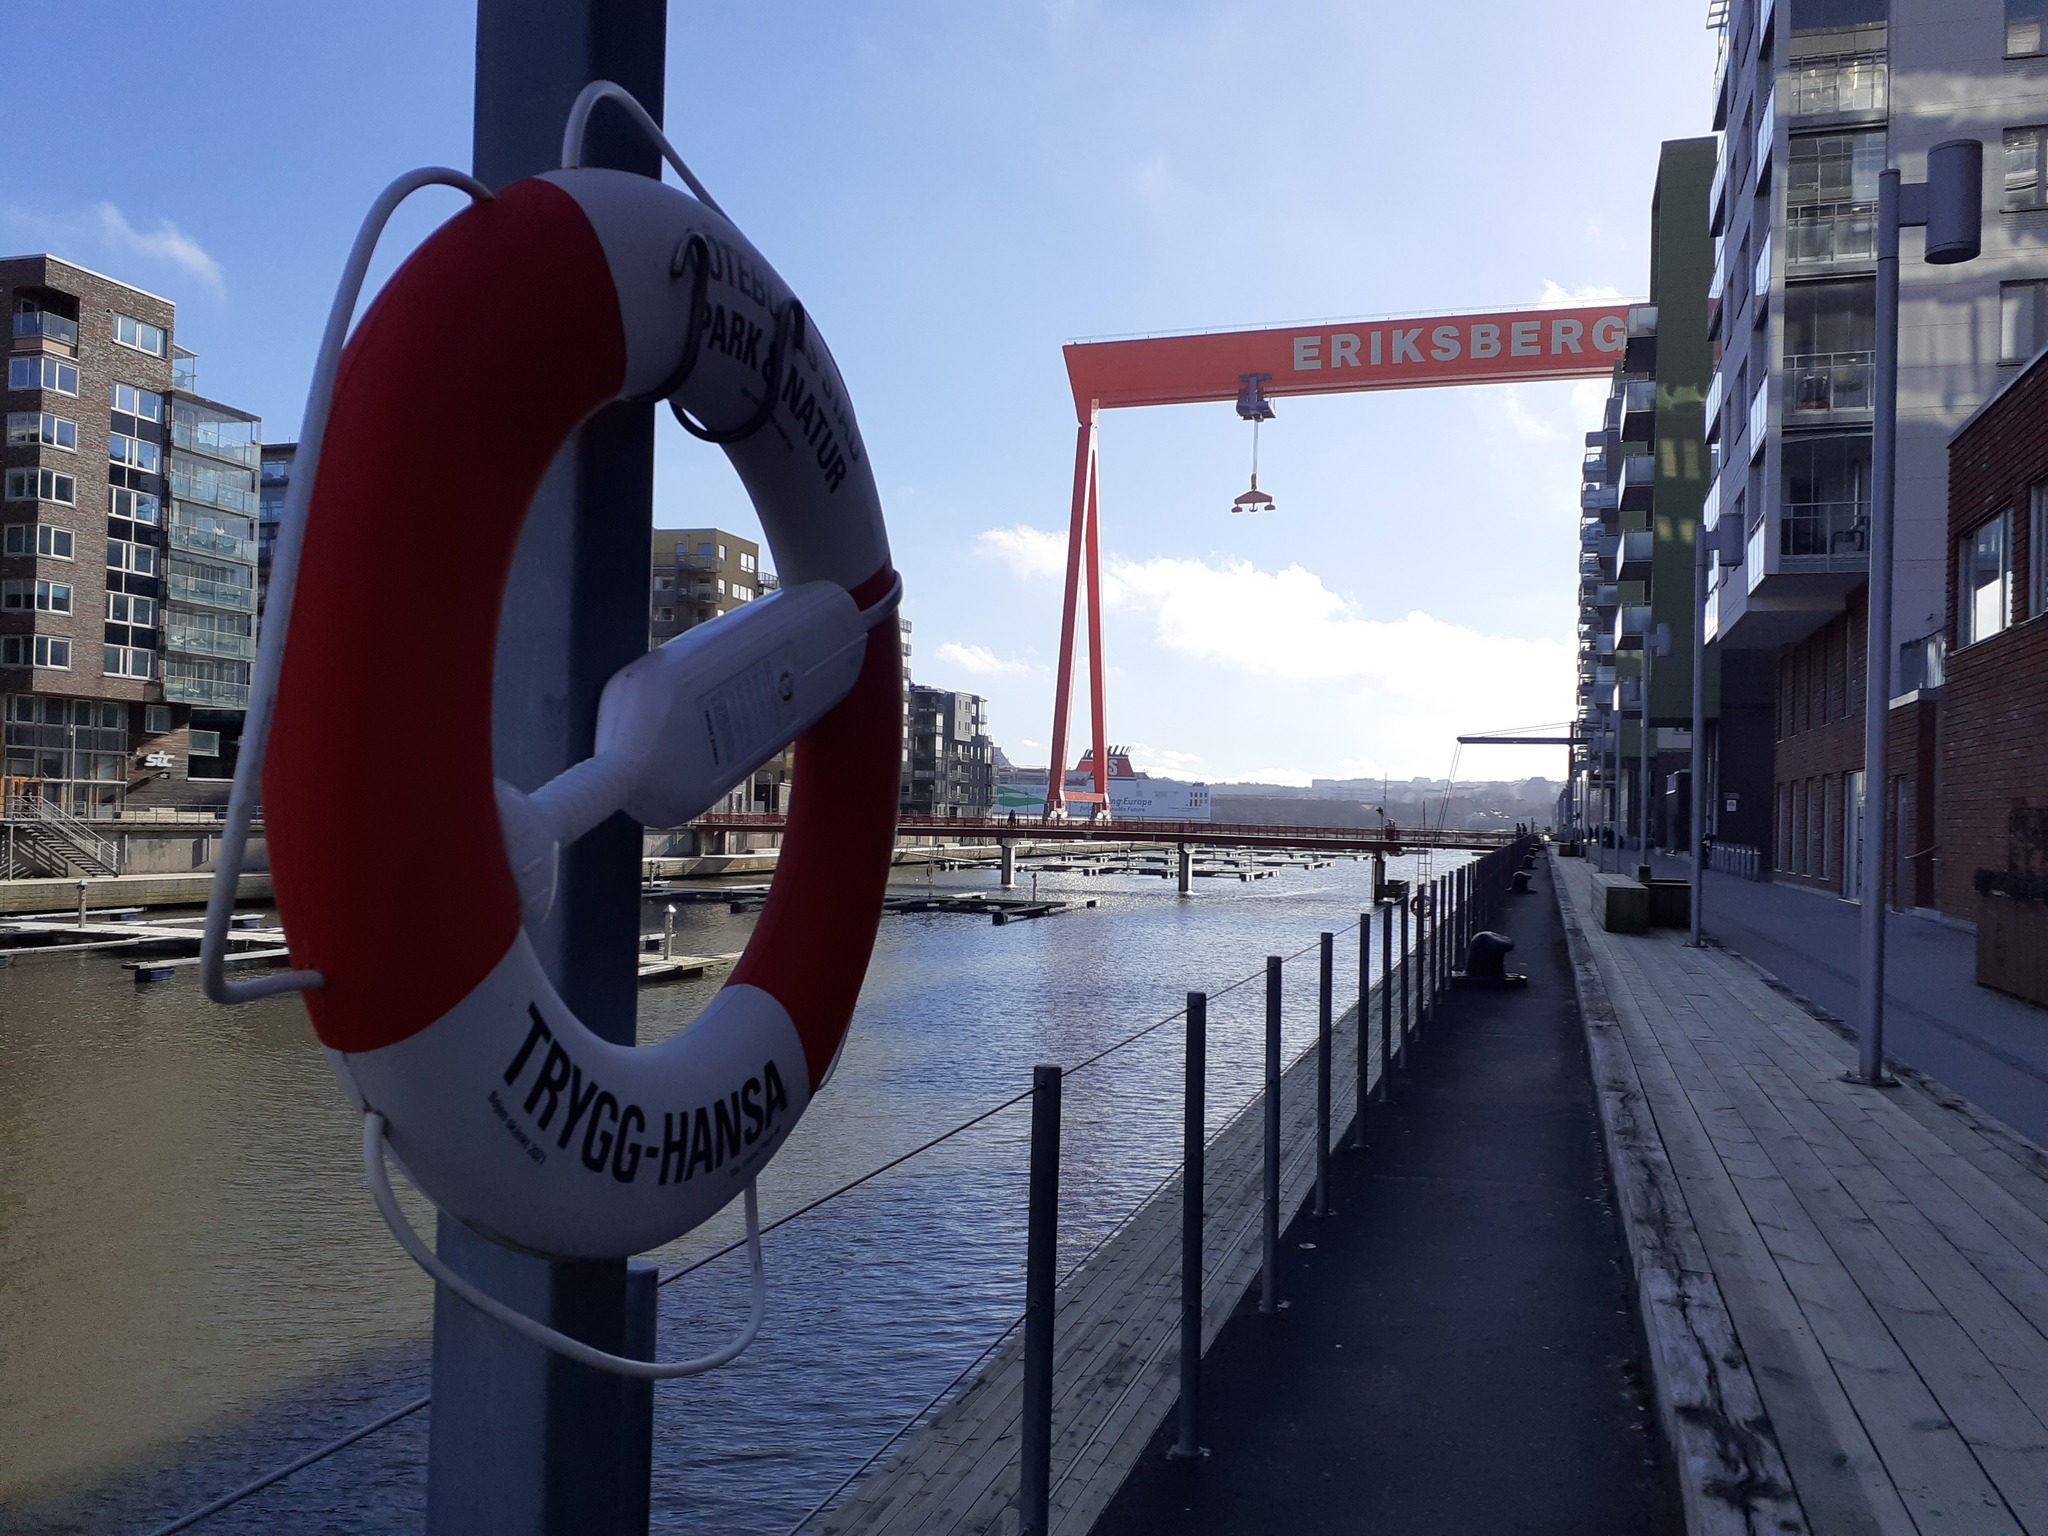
(1029, 552)
(978, 659)
(1556, 296)
(1026, 741)
(1163, 760)
(166, 243)
(1294, 778)
(103, 235)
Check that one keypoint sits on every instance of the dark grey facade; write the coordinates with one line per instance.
(949, 762)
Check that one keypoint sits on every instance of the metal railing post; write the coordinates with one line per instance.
(1408, 973)
(1269, 1278)
(1386, 1004)
(1364, 1027)
(1193, 1135)
(1041, 1279)
(1323, 1000)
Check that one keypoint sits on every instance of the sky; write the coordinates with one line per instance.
(957, 190)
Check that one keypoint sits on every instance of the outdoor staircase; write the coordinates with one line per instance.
(42, 839)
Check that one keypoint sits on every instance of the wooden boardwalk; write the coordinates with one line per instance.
(1117, 1359)
(1882, 1253)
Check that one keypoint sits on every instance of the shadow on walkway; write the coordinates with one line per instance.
(1460, 1353)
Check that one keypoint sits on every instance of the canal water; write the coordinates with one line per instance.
(195, 1287)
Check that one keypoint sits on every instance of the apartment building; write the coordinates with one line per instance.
(1814, 98)
(1642, 483)
(127, 553)
(949, 765)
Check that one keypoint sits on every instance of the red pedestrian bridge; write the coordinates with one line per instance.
(1196, 834)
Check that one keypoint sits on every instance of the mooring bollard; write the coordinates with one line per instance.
(668, 933)
(1269, 1279)
(1323, 989)
(81, 903)
(1192, 1140)
(1364, 1027)
(1041, 1280)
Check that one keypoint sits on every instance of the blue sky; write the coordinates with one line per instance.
(956, 190)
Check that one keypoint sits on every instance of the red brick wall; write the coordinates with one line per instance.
(1994, 735)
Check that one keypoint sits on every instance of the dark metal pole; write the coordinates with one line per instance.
(1408, 973)
(1364, 1026)
(1323, 1003)
(1269, 1278)
(1696, 832)
(1193, 1142)
(1041, 1279)
(1386, 1003)
(520, 1441)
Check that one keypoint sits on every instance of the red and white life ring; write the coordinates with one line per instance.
(502, 334)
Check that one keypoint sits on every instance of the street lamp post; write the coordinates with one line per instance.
(1950, 205)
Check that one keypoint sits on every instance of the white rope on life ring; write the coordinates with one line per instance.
(505, 331)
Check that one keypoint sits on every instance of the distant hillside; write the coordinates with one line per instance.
(1472, 807)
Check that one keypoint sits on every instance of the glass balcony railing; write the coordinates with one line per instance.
(183, 688)
(198, 439)
(210, 594)
(204, 640)
(1824, 534)
(204, 541)
(1830, 234)
(41, 323)
(1759, 417)
(191, 483)
(1823, 383)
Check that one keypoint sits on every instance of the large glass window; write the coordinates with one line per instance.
(1846, 82)
(35, 596)
(125, 555)
(38, 372)
(1826, 503)
(1826, 15)
(41, 429)
(2022, 320)
(2026, 27)
(137, 506)
(140, 335)
(142, 404)
(1830, 331)
(43, 540)
(1831, 198)
(41, 485)
(36, 651)
(1984, 580)
(135, 453)
(2025, 186)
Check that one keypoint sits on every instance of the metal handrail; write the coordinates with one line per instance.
(74, 829)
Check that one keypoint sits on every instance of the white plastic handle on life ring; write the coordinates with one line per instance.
(502, 334)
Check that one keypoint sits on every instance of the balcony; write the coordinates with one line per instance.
(210, 594)
(1717, 193)
(1638, 482)
(194, 639)
(199, 484)
(1710, 504)
(41, 325)
(1713, 408)
(1824, 536)
(1640, 353)
(1598, 500)
(1759, 418)
(1821, 237)
(1594, 465)
(1638, 410)
(1761, 284)
(205, 437)
(1630, 559)
(1829, 385)
(205, 541)
(184, 687)
(1766, 138)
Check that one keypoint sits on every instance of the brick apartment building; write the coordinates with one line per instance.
(127, 552)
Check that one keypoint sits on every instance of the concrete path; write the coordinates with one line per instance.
(1990, 1048)
(1882, 1254)
(1459, 1354)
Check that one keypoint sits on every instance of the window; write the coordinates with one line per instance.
(41, 485)
(205, 743)
(134, 452)
(35, 651)
(2022, 320)
(664, 583)
(122, 608)
(744, 594)
(41, 429)
(746, 562)
(125, 556)
(128, 661)
(139, 403)
(664, 615)
(130, 332)
(1835, 167)
(1843, 82)
(156, 719)
(1984, 580)
(721, 586)
(2024, 185)
(2037, 555)
(38, 372)
(721, 551)
(138, 506)
(39, 596)
(2024, 30)
(41, 539)
(703, 551)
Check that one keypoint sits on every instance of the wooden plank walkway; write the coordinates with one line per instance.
(1883, 1253)
(1117, 1359)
